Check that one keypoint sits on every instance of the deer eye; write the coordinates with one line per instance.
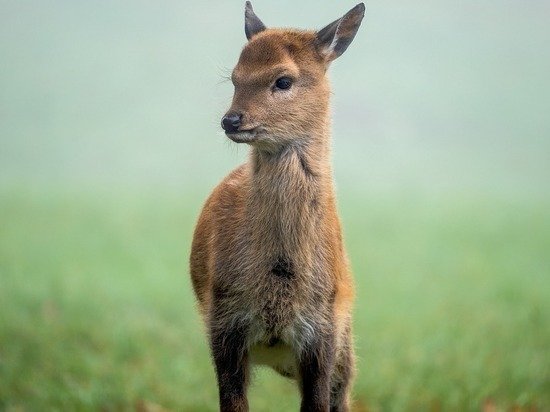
(283, 83)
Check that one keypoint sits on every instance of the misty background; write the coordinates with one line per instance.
(432, 96)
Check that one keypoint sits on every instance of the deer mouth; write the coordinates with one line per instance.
(243, 136)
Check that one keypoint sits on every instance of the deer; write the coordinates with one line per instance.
(268, 265)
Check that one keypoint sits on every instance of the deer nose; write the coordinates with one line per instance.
(231, 122)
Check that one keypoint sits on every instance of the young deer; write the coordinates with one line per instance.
(267, 263)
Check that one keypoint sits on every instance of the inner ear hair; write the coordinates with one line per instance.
(334, 39)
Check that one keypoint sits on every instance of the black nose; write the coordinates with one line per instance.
(231, 122)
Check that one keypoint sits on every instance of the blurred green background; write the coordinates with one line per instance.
(110, 142)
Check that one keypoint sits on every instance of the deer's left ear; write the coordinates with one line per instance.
(334, 39)
(252, 24)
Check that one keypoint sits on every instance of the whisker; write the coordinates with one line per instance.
(225, 74)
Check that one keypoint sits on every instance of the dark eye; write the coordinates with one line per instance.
(283, 83)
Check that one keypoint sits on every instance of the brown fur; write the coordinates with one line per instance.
(267, 263)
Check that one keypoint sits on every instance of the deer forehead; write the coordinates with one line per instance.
(275, 53)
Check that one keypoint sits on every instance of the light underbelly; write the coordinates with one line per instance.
(280, 357)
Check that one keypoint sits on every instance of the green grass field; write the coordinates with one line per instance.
(97, 312)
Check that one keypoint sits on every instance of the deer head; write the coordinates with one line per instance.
(281, 89)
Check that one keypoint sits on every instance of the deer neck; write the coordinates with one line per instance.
(289, 190)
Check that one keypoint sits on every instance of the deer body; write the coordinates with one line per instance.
(267, 262)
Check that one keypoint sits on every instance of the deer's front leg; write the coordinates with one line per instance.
(316, 364)
(231, 359)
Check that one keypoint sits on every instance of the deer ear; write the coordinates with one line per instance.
(252, 24)
(334, 39)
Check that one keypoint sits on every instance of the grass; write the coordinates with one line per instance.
(97, 312)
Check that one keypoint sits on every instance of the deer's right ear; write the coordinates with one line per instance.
(252, 24)
(334, 39)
